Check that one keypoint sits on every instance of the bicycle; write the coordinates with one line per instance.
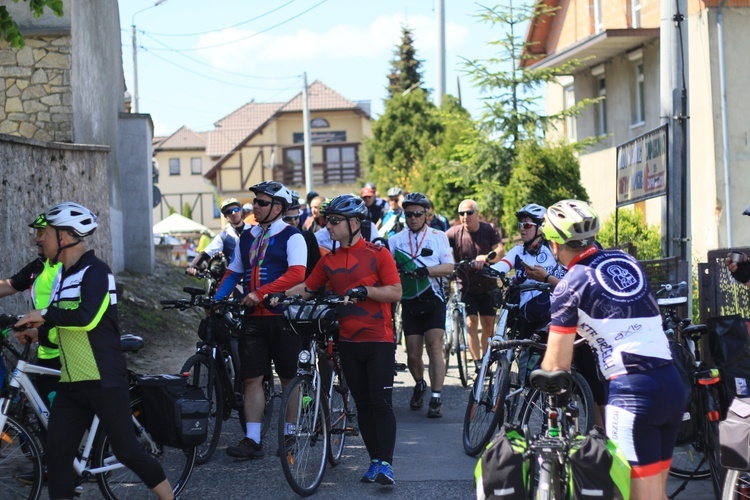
(736, 485)
(456, 335)
(215, 366)
(318, 395)
(22, 446)
(697, 452)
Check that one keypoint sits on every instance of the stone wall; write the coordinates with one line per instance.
(36, 175)
(35, 91)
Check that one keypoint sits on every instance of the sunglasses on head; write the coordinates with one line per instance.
(261, 203)
(414, 215)
(527, 225)
(466, 212)
(233, 210)
(333, 220)
(290, 218)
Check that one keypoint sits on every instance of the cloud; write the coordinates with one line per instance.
(341, 42)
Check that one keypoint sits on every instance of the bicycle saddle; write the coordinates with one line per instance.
(555, 382)
(131, 343)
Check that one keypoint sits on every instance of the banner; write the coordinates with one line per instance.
(642, 167)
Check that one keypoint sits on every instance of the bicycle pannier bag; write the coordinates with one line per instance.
(310, 319)
(729, 344)
(502, 471)
(598, 467)
(734, 436)
(175, 414)
(684, 361)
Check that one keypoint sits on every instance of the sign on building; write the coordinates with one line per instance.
(642, 167)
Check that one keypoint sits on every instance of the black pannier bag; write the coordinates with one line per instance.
(729, 344)
(598, 467)
(684, 361)
(175, 413)
(502, 470)
(734, 436)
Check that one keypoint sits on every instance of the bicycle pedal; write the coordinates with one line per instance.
(351, 431)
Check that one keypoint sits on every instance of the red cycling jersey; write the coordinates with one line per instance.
(362, 264)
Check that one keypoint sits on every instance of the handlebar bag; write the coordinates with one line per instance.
(310, 319)
(221, 329)
(734, 436)
(175, 413)
(502, 471)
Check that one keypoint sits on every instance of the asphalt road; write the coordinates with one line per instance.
(429, 460)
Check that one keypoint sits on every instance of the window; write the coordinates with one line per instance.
(635, 13)
(292, 171)
(598, 18)
(601, 105)
(569, 96)
(196, 166)
(342, 166)
(174, 166)
(319, 123)
(639, 105)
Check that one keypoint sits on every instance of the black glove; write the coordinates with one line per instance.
(267, 298)
(743, 272)
(421, 273)
(357, 293)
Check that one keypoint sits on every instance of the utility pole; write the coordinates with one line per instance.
(135, 52)
(306, 134)
(440, 7)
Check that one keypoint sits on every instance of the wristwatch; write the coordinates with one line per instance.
(44, 313)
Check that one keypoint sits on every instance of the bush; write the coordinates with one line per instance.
(632, 229)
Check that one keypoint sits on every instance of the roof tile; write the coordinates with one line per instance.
(184, 138)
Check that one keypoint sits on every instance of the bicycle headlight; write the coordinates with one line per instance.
(304, 357)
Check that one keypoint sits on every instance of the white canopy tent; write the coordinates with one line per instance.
(178, 224)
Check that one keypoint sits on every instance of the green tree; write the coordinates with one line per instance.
(9, 30)
(405, 67)
(543, 173)
(631, 228)
(187, 211)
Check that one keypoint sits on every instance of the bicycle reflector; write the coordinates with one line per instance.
(709, 377)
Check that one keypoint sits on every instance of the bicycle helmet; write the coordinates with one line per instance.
(395, 191)
(416, 199)
(228, 203)
(247, 208)
(347, 205)
(532, 210)
(371, 185)
(275, 190)
(295, 204)
(39, 223)
(570, 220)
(72, 217)
(324, 206)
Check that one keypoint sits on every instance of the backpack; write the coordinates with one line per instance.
(174, 413)
(502, 470)
(598, 467)
(734, 436)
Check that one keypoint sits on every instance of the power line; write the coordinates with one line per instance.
(227, 27)
(224, 44)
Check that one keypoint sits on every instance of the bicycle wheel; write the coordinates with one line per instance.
(447, 348)
(398, 325)
(200, 370)
(303, 454)
(338, 405)
(548, 486)
(461, 346)
(736, 485)
(581, 396)
(688, 459)
(710, 432)
(20, 462)
(484, 415)
(178, 464)
(269, 391)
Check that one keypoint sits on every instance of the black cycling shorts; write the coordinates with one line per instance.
(480, 303)
(420, 316)
(266, 338)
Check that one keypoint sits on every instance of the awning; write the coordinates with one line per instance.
(178, 224)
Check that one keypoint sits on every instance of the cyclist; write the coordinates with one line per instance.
(366, 273)
(423, 298)
(226, 240)
(740, 270)
(306, 211)
(269, 258)
(94, 376)
(393, 219)
(606, 298)
(38, 277)
(436, 220)
(292, 217)
(315, 222)
(473, 239)
(376, 206)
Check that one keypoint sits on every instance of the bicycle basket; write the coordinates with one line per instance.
(310, 319)
(221, 329)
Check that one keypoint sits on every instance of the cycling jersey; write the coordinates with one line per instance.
(392, 223)
(84, 310)
(518, 255)
(406, 247)
(606, 299)
(362, 264)
(225, 242)
(467, 245)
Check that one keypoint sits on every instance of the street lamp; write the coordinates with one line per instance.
(135, 52)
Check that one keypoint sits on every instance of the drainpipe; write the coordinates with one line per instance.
(724, 125)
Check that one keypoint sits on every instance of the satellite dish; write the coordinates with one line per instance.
(157, 197)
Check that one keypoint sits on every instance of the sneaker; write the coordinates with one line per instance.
(435, 409)
(385, 474)
(417, 397)
(246, 448)
(372, 472)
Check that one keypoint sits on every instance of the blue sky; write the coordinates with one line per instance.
(199, 60)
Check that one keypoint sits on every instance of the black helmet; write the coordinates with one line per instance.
(347, 205)
(416, 199)
(294, 205)
(311, 195)
(275, 190)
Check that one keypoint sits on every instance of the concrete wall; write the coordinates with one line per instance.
(37, 175)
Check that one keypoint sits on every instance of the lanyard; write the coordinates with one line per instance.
(414, 254)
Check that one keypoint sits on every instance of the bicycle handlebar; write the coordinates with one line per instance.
(504, 345)
(289, 300)
(198, 301)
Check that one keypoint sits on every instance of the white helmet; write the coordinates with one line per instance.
(72, 217)
(532, 210)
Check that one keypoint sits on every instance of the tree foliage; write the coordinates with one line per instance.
(405, 67)
(631, 228)
(9, 30)
(543, 173)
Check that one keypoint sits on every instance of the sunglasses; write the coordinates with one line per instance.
(261, 203)
(394, 199)
(334, 221)
(290, 218)
(414, 215)
(231, 211)
(527, 225)
(467, 212)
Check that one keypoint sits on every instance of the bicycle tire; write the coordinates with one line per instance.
(461, 346)
(688, 459)
(338, 404)
(269, 392)
(198, 367)
(20, 456)
(736, 485)
(534, 411)
(548, 486)
(710, 433)
(447, 348)
(483, 417)
(398, 325)
(304, 458)
(122, 483)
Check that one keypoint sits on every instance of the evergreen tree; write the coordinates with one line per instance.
(405, 74)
